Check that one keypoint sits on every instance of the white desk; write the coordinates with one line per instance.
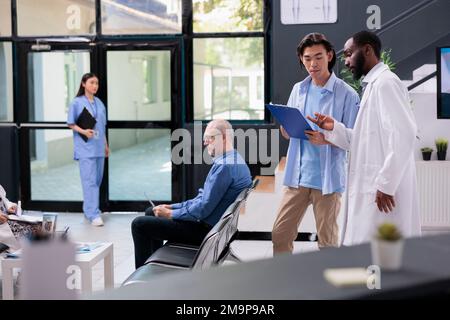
(86, 261)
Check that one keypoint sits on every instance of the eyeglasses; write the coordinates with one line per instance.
(208, 138)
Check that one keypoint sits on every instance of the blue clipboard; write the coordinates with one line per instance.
(291, 119)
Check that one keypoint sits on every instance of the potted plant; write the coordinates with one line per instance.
(387, 247)
(426, 153)
(441, 148)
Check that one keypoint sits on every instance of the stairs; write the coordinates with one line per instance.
(420, 73)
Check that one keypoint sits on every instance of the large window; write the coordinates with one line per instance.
(228, 58)
(6, 79)
(50, 17)
(226, 72)
(227, 15)
(5, 18)
(161, 64)
(141, 17)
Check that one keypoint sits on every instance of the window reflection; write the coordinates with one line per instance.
(54, 174)
(55, 80)
(140, 161)
(227, 74)
(227, 15)
(50, 17)
(139, 85)
(141, 17)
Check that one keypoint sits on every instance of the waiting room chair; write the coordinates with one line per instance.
(213, 250)
(204, 257)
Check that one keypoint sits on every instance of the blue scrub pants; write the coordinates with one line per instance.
(91, 173)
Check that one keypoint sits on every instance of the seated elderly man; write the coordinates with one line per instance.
(189, 222)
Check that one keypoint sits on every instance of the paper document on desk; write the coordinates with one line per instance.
(15, 254)
(88, 247)
(344, 277)
(25, 218)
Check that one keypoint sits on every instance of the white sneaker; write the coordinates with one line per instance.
(97, 222)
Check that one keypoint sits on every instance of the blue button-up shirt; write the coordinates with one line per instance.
(228, 176)
(310, 156)
(95, 146)
(341, 102)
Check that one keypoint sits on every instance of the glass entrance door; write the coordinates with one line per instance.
(50, 76)
(138, 85)
(143, 109)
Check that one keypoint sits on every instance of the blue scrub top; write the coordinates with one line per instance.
(310, 173)
(95, 146)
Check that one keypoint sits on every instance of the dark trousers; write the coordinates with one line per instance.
(149, 232)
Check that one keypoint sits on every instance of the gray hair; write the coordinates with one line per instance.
(224, 127)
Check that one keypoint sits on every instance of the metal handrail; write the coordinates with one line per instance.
(424, 79)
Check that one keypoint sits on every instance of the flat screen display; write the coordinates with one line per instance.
(443, 82)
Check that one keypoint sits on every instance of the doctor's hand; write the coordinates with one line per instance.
(3, 218)
(384, 202)
(316, 137)
(284, 133)
(106, 151)
(163, 211)
(323, 121)
(88, 133)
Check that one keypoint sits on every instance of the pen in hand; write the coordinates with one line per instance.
(149, 200)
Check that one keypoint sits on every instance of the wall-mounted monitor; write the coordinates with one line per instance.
(443, 82)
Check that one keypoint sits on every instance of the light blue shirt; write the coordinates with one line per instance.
(228, 176)
(310, 157)
(95, 146)
(341, 102)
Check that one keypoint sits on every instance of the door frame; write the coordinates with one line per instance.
(23, 49)
(98, 64)
(174, 46)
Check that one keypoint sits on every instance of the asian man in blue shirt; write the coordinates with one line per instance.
(315, 171)
(190, 221)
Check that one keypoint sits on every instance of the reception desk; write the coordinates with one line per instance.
(425, 272)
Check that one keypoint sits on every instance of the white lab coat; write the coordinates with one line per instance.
(381, 158)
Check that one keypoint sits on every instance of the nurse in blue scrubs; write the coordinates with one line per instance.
(90, 154)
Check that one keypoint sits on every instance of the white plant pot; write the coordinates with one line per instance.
(387, 254)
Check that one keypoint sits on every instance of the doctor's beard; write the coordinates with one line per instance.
(358, 71)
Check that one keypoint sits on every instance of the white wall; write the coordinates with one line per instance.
(430, 128)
